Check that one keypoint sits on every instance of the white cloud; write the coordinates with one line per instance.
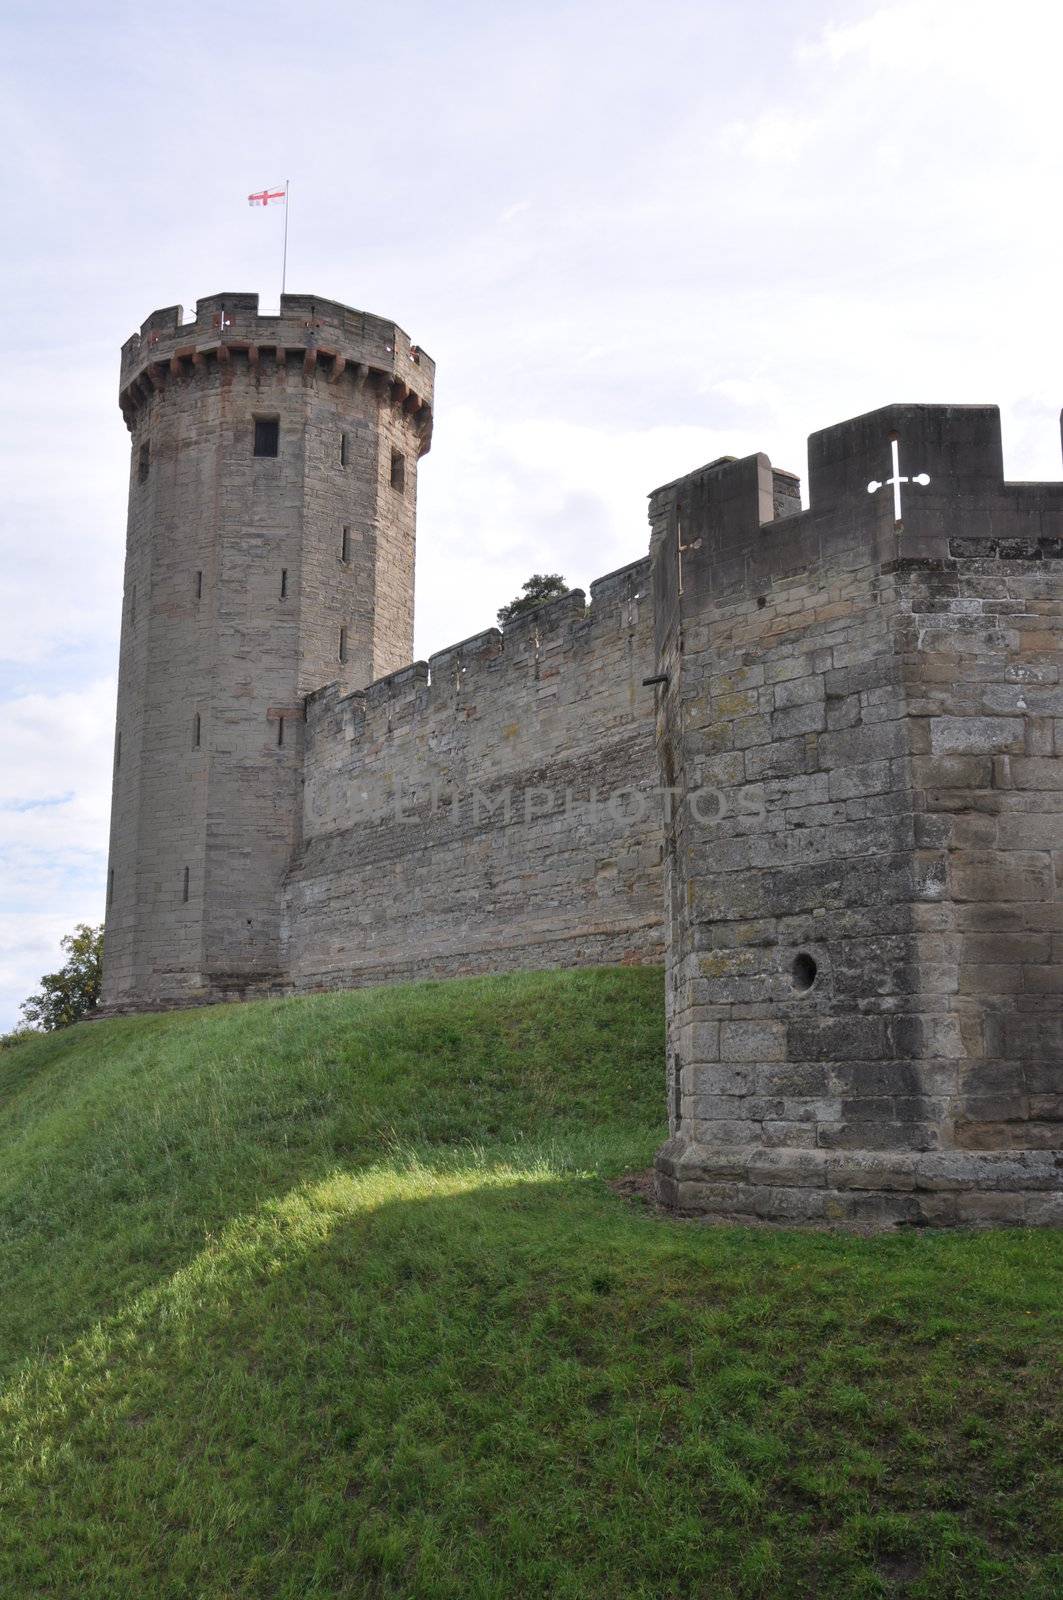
(776, 138)
(508, 496)
(57, 744)
(29, 947)
(54, 806)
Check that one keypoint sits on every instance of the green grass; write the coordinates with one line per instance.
(331, 1297)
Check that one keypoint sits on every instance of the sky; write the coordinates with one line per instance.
(634, 237)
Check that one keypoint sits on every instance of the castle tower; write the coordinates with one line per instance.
(270, 551)
(860, 718)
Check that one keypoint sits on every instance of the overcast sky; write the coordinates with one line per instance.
(633, 236)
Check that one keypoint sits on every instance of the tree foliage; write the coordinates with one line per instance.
(541, 586)
(74, 991)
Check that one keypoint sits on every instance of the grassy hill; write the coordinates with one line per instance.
(331, 1297)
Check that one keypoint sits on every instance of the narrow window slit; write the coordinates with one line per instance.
(184, 886)
(267, 435)
(398, 470)
(345, 546)
(343, 644)
(284, 583)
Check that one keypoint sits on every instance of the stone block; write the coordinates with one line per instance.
(1000, 875)
(976, 735)
(753, 1041)
(836, 1038)
(993, 1208)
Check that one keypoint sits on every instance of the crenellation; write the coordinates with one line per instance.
(552, 617)
(310, 339)
(464, 657)
(557, 625)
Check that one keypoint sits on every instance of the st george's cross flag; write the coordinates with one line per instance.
(265, 196)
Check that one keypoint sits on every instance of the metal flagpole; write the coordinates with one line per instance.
(284, 259)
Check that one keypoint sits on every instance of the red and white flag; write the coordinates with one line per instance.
(264, 197)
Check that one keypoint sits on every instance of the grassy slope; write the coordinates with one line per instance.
(329, 1297)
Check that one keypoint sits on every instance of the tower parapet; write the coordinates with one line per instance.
(308, 334)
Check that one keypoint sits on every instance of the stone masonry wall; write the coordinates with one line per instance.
(553, 712)
(863, 949)
(983, 653)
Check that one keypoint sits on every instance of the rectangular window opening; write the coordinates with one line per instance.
(199, 585)
(184, 886)
(143, 463)
(284, 583)
(345, 546)
(197, 728)
(343, 644)
(343, 449)
(267, 435)
(280, 731)
(398, 470)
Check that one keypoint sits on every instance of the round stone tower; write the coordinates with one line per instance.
(269, 551)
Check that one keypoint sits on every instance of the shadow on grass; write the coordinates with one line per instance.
(466, 1376)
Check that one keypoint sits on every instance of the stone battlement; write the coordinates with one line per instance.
(309, 336)
(750, 535)
(541, 637)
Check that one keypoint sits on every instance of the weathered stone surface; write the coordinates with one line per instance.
(501, 813)
(906, 1035)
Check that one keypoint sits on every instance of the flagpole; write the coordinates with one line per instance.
(284, 258)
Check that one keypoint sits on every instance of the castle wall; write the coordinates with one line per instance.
(863, 974)
(411, 865)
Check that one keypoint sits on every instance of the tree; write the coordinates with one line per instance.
(541, 586)
(74, 991)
